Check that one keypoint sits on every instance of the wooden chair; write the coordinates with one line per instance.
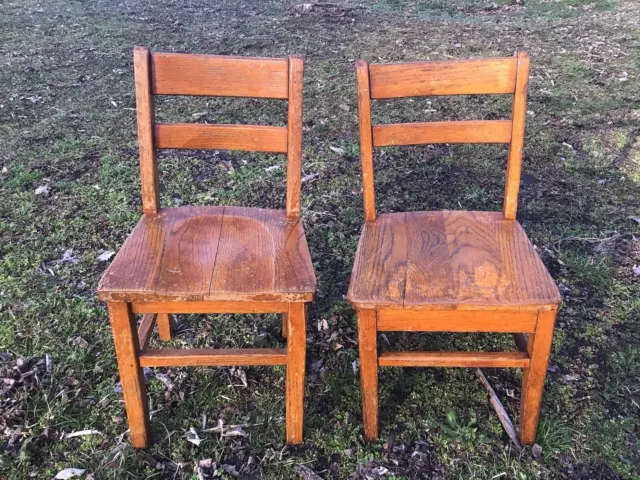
(450, 271)
(214, 259)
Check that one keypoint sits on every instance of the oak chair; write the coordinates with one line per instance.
(450, 271)
(214, 259)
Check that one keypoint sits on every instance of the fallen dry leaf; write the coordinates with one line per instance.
(69, 473)
(106, 255)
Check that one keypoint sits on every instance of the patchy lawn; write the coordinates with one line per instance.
(69, 191)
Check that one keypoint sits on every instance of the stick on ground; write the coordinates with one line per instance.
(505, 420)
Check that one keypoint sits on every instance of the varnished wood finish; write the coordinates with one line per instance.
(450, 271)
(454, 359)
(539, 349)
(368, 371)
(211, 260)
(165, 326)
(127, 348)
(145, 114)
(470, 131)
(366, 139)
(285, 324)
(514, 162)
(447, 259)
(462, 77)
(296, 355)
(294, 136)
(256, 138)
(212, 254)
(145, 329)
(213, 357)
(212, 307)
(220, 76)
(403, 320)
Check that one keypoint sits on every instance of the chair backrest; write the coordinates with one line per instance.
(223, 76)
(465, 77)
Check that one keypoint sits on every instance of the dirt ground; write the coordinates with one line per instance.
(69, 190)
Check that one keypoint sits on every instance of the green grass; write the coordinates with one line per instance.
(67, 121)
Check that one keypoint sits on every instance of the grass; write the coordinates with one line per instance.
(67, 122)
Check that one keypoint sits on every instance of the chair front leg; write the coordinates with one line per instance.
(125, 339)
(165, 326)
(296, 354)
(367, 329)
(539, 349)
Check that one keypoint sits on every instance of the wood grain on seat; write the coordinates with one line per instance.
(448, 260)
(213, 254)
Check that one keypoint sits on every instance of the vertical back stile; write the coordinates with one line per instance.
(145, 115)
(294, 136)
(366, 139)
(514, 161)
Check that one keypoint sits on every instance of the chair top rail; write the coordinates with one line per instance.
(222, 76)
(461, 77)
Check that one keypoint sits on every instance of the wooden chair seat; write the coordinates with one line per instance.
(212, 254)
(448, 260)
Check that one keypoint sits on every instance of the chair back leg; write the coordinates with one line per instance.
(165, 326)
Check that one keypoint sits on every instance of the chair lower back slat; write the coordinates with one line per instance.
(470, 131)
(256, 138)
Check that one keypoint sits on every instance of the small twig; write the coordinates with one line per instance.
(505, 420)
(80, 433)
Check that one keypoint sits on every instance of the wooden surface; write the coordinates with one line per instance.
(296, 358)
(213, 307)
(213, 357)
(366, 139)
(145, 329)
(255, 138)
(145, 115)
(470, 131)
(212, 254)
(454, 359)
(165, 326)
(509, 321)
(127, 349)
(446, 260)
(222, 76)
(514, 161)
(466, 77)
(368, 349)
(539, 349)
(294, 136)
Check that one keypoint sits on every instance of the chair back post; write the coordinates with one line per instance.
(145, 116)
(294, 136)
(519, 113)
(366, 139)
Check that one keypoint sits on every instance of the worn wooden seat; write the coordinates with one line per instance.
(448, 260)
(211, 259)
(214, 254)
(450, 271)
